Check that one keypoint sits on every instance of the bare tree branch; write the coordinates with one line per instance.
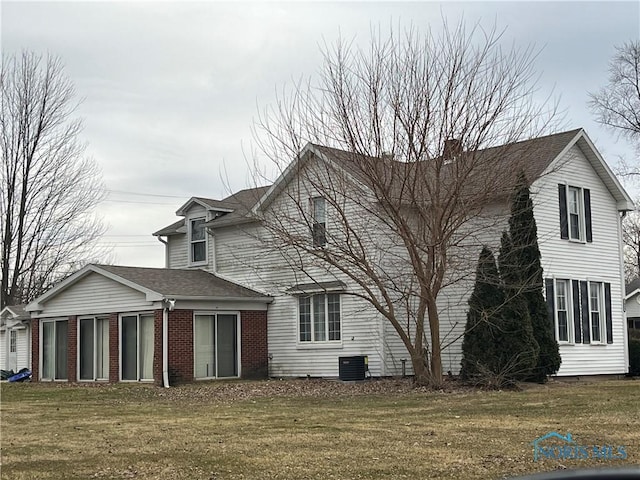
(49, 189)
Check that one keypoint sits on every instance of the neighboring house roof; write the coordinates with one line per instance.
(632, 288)
(160, 283)
(13, 312)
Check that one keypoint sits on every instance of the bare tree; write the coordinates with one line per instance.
(617, 105)
(49, 188)
(406, 186)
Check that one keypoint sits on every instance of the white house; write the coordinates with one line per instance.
(301, 317)
(632, 304)
(15, 338)
(578, 208)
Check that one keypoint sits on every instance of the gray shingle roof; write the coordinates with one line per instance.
(17, 311)
(181, 282)
(240, 202)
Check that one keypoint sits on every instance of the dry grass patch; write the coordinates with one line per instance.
(304, 429)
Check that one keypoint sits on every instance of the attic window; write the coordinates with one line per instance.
(198, 241)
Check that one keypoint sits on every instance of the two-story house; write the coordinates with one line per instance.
(236, 300)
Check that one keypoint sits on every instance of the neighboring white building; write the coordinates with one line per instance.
(314, 319)
(15, 338)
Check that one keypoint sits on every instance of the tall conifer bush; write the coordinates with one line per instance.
(479, 345)
(528, 279)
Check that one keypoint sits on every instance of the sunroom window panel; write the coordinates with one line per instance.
(61, 350)
(130, 348)
(102, 348)
(48, 350)
(146, 347)
(86, 349)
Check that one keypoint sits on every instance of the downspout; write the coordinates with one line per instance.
(166, 251)
(170, 304)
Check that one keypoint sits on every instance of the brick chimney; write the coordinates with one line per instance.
(452, 148)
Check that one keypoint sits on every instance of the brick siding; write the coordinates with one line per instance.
(180, 346)
(255, 360)
(72, 348)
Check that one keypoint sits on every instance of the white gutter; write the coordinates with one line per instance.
(166, 251)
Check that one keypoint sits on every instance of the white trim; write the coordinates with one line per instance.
(312, 344)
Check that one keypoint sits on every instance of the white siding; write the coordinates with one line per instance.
(92, 295)
(178, 250)
(596, 261)
(4, 336)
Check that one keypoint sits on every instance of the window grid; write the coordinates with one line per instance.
(319, 318)
(575, 213)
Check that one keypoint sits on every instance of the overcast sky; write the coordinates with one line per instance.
(171, 89)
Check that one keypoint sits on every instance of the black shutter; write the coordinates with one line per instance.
(577, 335)
(607, 310)
(584, 297)
(548, 286)
(587, 214)
(564, 220)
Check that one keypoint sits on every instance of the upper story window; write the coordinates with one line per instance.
(575, 213)
(319, 317)
(319, 218)
(197, 241)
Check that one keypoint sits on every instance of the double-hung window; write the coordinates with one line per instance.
(13, 341)
(319, 219)
(575, 213)
(197, 241)
(596, 314)
(564, 324)
(319, 317)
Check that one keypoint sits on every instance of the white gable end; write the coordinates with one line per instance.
(94, 294)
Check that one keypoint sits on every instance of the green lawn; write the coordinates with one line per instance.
(305, 430)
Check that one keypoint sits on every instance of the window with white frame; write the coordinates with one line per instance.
(197, 241)
(564, 321)
(13, 341)
(93, 348)
(319, 318)
(576, 213)
(54, 350)
(319, 217)
(136, 346)
(596, 314)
